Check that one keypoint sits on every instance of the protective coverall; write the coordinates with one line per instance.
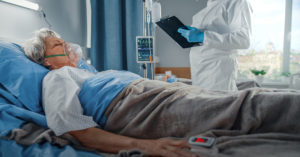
(227, 27)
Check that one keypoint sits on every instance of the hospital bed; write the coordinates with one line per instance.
(20, 107)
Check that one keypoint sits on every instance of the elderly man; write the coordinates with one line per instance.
(141, 112)
(64, 112)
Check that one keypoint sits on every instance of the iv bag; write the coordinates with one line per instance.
(156, 12)
(148, 5)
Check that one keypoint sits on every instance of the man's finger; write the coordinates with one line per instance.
(185, 153)
(180, 143)
(167, 153)
(179, 151)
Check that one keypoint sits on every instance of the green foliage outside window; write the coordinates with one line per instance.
(286, 74)
(258, 72)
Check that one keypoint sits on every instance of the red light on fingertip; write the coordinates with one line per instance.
(200, 140)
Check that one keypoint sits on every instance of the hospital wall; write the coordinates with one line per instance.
(67, 17)
(169, 52)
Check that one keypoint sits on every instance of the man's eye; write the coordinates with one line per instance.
(57, 45)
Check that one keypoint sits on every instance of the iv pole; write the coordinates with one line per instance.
(149, 30)
(144, 65)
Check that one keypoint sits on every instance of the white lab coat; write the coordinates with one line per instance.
(227, 27)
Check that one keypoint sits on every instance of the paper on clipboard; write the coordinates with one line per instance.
(170, 25)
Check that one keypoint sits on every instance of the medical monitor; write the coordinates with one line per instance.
(144, 49)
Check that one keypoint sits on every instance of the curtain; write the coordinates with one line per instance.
(115, 25)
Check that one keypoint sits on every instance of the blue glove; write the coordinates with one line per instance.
(191, 34)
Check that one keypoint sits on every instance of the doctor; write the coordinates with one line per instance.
(223, 26)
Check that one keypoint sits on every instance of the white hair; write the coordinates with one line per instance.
(35, 48)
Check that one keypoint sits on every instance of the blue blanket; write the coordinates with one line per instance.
(12, 116)
(97, 92)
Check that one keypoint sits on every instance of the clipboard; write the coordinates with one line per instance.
(170, 25)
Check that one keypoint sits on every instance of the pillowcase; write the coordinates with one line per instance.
(21, 76)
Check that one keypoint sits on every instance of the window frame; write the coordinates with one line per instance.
(286, 56)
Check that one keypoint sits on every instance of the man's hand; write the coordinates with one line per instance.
(112, 143)
(165, 147)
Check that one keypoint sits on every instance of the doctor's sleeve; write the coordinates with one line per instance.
(241, 23)
(62, 106)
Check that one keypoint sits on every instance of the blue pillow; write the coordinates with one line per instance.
(21, 76)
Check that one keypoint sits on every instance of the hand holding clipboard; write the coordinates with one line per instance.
(170, 26)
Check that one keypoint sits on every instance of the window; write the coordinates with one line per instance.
(268, 41)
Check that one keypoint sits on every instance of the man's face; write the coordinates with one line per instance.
(55, 46)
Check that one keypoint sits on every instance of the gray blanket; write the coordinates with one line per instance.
(250, 123)
(240, 85)
(253, 122)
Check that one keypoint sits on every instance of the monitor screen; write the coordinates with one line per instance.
(144, 49)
